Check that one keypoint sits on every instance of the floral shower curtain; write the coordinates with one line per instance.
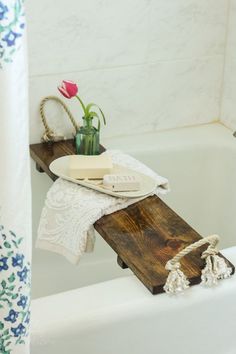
(15, 198)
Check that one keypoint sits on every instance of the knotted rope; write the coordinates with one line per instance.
(49, 134)
(215, 268)
(213, 240)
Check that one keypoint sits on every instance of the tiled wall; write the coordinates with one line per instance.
(150, 64)
(228, 107)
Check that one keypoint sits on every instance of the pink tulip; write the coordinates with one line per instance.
(68, 89)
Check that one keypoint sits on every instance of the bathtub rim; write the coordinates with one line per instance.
(201, 136)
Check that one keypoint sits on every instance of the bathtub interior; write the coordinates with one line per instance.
(202, 188)
(199, 163)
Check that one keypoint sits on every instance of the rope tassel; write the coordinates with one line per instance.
(176, 281)
(215, 269)
(209, 276)
(221, 268)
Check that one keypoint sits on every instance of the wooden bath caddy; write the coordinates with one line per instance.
(144, 236)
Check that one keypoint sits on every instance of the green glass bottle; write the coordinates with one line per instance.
(87, 139)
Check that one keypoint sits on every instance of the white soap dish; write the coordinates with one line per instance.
(61, 168)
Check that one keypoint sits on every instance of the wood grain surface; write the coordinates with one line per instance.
(145, 235)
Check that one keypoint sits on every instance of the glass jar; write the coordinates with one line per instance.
(87, 139)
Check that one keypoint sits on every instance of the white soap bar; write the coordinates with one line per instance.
(121, 183)
(93, 167)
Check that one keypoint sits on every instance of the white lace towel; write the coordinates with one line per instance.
(66, 224)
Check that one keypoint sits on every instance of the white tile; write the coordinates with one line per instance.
(183, 29)
(231, 37)
(228, 110)
(138, 99)
(73, 35)
(122, 94)
(185, 92)
(150, 64)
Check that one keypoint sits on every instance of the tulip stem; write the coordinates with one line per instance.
(83, 106)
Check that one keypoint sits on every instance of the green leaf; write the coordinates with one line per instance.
(103, 116)
(4, 284)
(18, 340)
(20, 240)
(8, 293)
(12, 52)
(94, 114)
(15, 243)
(7, 345)
(1, 325)
(12, 233)
(15, 296)
(90, 105)
(9, 254)
(6, 300)
(12, 287)
(12, 278)
(6, 332)
(7, 244)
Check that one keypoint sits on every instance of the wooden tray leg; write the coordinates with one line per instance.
(39, 168)
(121, 263)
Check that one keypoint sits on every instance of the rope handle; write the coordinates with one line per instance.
(49, 134)
(215, 266)
(213, 240)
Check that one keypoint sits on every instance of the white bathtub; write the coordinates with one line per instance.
(117, 314)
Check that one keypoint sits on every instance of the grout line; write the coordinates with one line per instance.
(87, 70)
(222, 87)
(127, 65)
(164, 130)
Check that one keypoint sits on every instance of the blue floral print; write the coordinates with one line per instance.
(23, 274)
(12, 317)
(23, 301)
(3, 263)
(12, 26)
(3, 10)
(27, 318)
(18, 260)
(10, 38)
(18, 331)
(14, 292)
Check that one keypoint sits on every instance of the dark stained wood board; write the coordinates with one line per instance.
(145, 235)
(44, 153)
